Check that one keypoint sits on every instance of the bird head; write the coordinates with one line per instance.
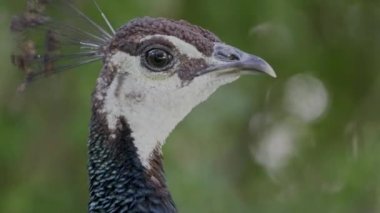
(157, 70)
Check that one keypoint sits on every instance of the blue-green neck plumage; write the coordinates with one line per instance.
(118, 180)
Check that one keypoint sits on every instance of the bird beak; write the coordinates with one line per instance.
(228, 59)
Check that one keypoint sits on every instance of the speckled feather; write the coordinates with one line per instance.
(118, 181)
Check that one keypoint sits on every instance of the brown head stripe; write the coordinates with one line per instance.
(128, 36)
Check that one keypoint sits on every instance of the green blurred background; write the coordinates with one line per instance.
(308, 141)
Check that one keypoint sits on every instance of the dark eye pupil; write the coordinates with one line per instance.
(158, 58)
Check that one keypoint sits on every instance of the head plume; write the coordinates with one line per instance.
(65, 45)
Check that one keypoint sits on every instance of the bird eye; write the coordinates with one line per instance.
(158, 59)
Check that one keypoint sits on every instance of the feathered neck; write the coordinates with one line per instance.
(118, 180)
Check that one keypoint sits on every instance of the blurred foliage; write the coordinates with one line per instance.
(247, 149)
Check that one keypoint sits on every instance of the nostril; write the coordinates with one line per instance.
(228, 56)
(233, 57)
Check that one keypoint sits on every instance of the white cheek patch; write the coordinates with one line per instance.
(151, 107)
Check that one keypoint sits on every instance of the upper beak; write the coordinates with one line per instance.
(252, 63)
(228, 58)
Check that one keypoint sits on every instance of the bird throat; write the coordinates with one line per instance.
(152, 107)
